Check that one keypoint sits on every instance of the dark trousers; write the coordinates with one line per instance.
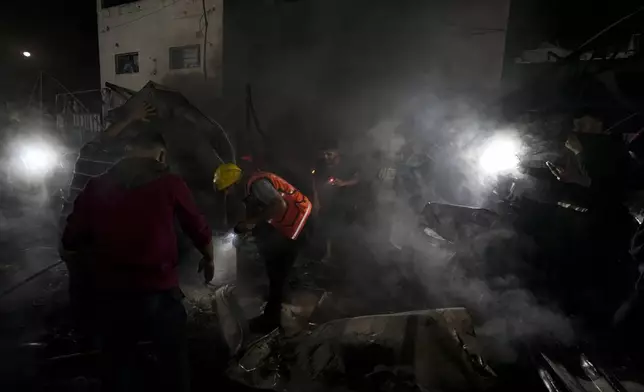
(82, 299)
(279, 254)
(127, 320)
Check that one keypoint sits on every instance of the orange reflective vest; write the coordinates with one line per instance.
(298, 208)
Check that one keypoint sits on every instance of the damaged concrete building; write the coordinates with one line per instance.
(159, 51)
(174, 43)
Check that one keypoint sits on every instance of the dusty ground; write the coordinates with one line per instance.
(38, 308)
(27, 245)
(38, 311)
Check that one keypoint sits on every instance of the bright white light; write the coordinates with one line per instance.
(38, 159)
(227, 242)
(230, 237)
(225, 258)
(26, 54)
(500, 155)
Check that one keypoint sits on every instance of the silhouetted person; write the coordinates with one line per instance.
(604, 159)
(95, 158)
(122, 229)
(605, 166)
(336, 194)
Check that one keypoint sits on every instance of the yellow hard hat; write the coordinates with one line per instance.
(227, 175)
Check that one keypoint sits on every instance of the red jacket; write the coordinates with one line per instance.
(123, 224)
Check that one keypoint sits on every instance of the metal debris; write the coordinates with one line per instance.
(414, 351)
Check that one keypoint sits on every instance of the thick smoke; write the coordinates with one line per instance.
(31, 176)
(507, 313)
(391, 79)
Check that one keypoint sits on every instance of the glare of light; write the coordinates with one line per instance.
(230, 237)
(225, 252)
(500, 155)
(227, 242)
(37, 158)
(26, 54)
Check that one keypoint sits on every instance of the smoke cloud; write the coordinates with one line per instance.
(485, 273)
(30, 179)
(400, 84)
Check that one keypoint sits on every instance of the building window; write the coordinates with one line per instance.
(114, 3)
(127, 63)
(185, 57)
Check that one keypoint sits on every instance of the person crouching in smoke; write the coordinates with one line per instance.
(276, 213)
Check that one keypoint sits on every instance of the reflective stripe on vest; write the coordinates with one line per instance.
(298, 206)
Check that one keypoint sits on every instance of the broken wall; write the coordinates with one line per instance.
(150, 28)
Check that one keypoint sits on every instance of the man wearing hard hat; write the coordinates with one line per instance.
(276, 212)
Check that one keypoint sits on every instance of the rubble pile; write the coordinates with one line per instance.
(412, 351)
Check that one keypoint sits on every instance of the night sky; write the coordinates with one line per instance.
(62, 37)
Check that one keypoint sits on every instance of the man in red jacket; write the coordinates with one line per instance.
(123, 225)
